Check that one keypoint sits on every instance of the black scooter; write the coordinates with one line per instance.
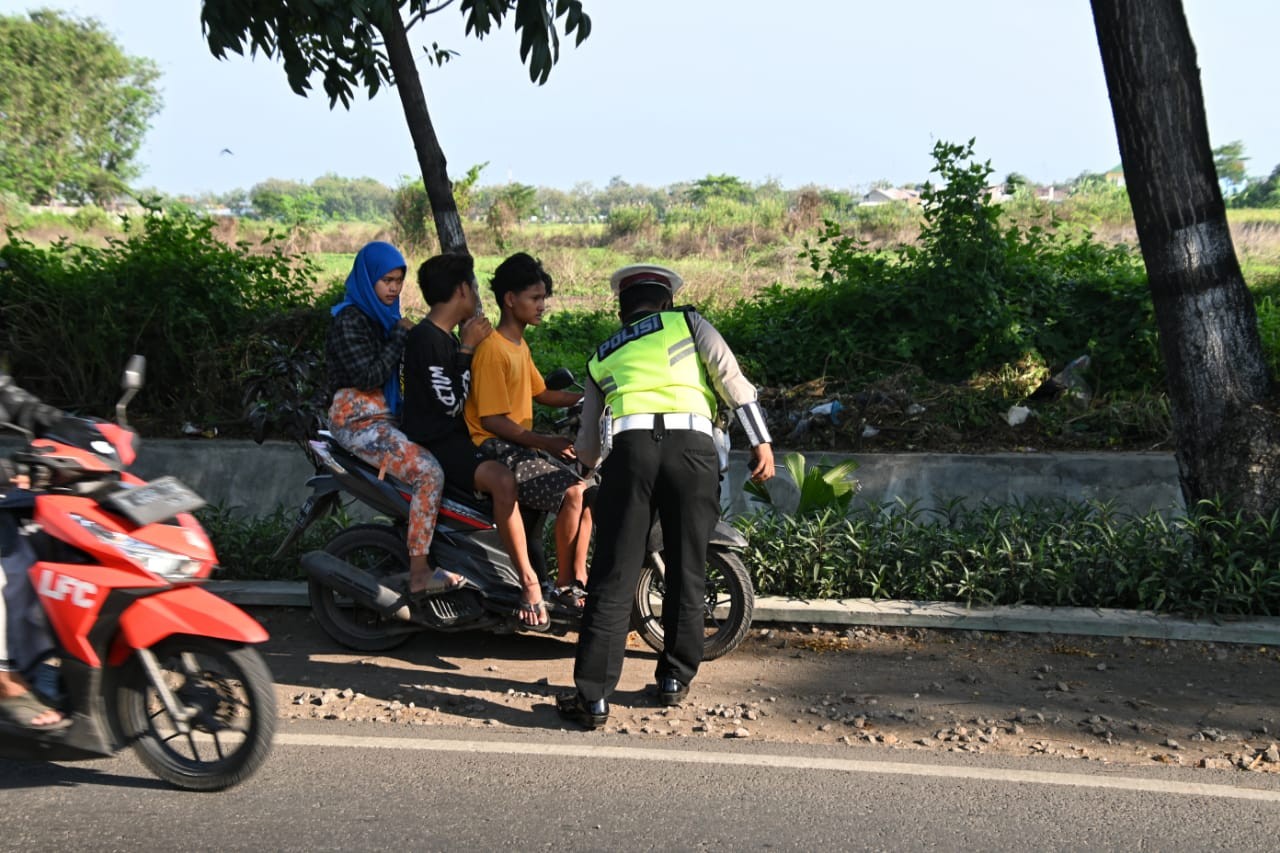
(356, 608)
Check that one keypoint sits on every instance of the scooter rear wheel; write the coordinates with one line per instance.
(225, 692)
(381, 551)
(729, 604)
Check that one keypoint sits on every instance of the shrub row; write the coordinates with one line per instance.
(1046, 553)
(207, 315)
(1049, 553)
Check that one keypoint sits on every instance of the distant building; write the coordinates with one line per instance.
(884, 195)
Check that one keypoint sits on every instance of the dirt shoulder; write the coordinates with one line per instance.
(1100, 699)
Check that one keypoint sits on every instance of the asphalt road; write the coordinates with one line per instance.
(347, 786)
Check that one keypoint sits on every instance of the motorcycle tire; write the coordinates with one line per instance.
(230, 690)
(729, 593)
(381, 551)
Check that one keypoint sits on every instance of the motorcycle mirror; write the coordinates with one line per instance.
(134, 372)
(559, 379)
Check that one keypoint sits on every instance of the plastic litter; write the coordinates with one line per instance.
(823, 413)
(1017, 415)
(830, 410)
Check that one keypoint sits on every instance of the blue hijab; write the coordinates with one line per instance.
(373, 262)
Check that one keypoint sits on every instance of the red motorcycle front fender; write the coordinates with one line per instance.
(182, 610)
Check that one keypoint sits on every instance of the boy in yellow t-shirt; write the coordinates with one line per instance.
(499, 413)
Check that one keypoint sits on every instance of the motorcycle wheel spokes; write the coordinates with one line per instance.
(727, 606)
(225, 713)
(214, 711)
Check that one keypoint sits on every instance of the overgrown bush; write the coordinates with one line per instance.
(1269, 330)
(633, 221)
(568, 338)
(194, 306)
(970, 296)
(245, 545)
(1048, 553)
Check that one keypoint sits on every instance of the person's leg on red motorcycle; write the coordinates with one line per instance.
(19, 706)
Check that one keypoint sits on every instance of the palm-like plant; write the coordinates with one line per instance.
(821, 486)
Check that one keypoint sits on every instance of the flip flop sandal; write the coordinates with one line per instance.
(19, 711)
(544, 624)
(573, 596)
(440, 581)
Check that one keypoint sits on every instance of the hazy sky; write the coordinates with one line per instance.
(835, 92)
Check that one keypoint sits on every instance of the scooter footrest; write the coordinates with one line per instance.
(450, 609)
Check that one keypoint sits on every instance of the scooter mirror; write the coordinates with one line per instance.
(134, 372)
(559, 379)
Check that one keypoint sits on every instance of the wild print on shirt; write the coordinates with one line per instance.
(443, 387)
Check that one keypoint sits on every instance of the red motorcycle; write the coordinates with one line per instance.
(143, 656)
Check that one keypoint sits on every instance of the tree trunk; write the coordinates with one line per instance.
(435, 176)
(1225, 424)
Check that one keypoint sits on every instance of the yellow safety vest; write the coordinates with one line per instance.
(651, 366)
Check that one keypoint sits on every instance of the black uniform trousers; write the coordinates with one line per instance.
(677, 474)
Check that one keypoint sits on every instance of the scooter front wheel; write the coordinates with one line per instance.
(729, 603)
(381, 551)
(203, 717)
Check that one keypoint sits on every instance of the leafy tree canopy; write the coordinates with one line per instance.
(75, 109)
(1263, 192)
(719, 186)
(1229, 160)
(342, 39)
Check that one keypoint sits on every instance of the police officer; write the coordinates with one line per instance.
(653, 388)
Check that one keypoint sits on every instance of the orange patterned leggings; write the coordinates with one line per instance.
(361, 422)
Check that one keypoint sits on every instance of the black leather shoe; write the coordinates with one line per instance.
(671, 691)
(589, 715)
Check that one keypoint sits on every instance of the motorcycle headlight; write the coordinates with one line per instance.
(166, 564)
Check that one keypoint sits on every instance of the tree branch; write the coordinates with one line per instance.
(414, 19)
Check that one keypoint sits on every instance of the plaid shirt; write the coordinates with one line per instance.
(358, 355)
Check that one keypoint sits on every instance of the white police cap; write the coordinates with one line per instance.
(645, 274)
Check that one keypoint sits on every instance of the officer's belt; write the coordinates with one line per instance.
(670, 420)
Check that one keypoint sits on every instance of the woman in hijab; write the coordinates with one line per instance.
(363, 349)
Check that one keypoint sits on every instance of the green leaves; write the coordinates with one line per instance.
(821, 487)
(342, 40)
(199, 309)
(74, 109)
(973, 296)
(1049, 553)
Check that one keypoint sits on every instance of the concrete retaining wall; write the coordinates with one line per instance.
(261, 478)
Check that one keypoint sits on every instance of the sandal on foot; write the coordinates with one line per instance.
(439, 582)
(442, 581)
(573, 596)
(20, 710)
(543, 623)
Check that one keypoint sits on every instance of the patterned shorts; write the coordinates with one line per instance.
(541, 481)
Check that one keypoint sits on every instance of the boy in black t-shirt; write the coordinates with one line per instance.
(437, 379)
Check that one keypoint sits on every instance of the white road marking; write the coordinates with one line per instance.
(787, 762)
